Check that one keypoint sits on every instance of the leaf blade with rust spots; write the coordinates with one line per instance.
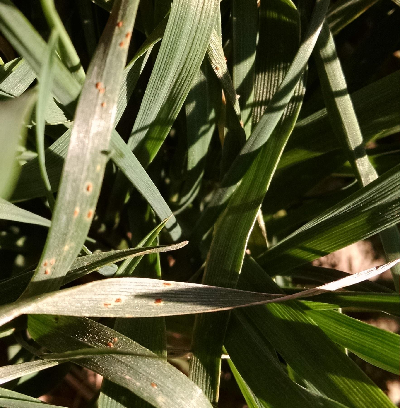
(142, 297)
(85, 162)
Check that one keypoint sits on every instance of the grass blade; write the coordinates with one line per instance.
(153, 379)
(142, 297)
(11, 212)
(264, 128)
(345, 125)
(379, 347)
(44, 96)
(366, 212)
(14, 114)
(12, 399)
(12, 288)
(185, 42)
(67, 50)
(85, 162)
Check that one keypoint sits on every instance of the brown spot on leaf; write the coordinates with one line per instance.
(89, 187)
(158, 301)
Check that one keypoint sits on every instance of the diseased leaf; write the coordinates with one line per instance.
(86, 159)
(142, 297)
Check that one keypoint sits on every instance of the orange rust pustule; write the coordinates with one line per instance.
(47, 271)
(167, 284)
(118, 300)
(158, 301)
(90, 214)
(110, 344)
(103, 104)
(89, 187)
(120, 24)
(154, 385)
(128, 34)
(121, 44)
(106, 304)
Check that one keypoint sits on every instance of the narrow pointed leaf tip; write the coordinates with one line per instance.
(142, 297)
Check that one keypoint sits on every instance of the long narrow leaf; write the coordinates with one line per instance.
(379, 347)
(346, 127)
(12, 288)
(153, 379)
(142, 297)
(14, 114)
(85, 162)
(185, 42)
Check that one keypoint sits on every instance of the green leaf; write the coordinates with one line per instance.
(264, 128)
(85, 162)
(345, 125)
(67, 51)
(153, 379)
(257, 362)
(363, 214)
(142, 297)
(232, 232)
(11, 212)
(44, 97)
(14, 115)
(200, 109)
(377, 106)
(306, 348)
(15, 78)
(28, 43)
(10, 372)
(12, 399)
(379, 347)
(343, 12)
(12, 288)
(182, 50)
(244, 25)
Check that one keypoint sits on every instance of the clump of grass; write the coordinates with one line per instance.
(205, 128)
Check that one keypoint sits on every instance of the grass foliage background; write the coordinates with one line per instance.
(225, 144)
